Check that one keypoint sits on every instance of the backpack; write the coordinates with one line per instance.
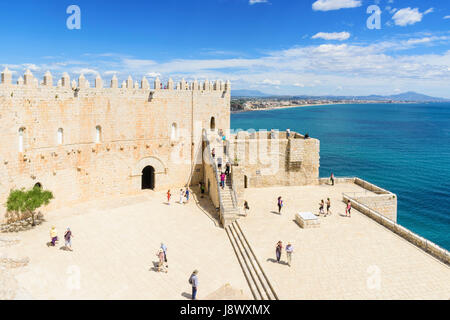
(190, 280)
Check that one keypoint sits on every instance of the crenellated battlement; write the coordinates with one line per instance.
(30, 84)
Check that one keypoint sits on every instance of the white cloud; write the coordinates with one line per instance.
(407, 16)
(271, 82)
(251, 2)
(153, 74)
(332, 36)
(447, 17)
(429, 11)
(326, 5)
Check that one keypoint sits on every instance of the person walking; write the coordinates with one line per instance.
(222, 180)
(289, 251)
(202, 188)
(288, 133)
(164, 249)
(348, 209)
(187, 193)
(332, 179)
(246, 208)
(321, 205)
(228, 169)
(279, 250)
(280, 204)
(213, 153)
(68, 239)
(181, 196)
(328, 206)
(161, 266)
(169, 195)
(53, 236)
(193, 280)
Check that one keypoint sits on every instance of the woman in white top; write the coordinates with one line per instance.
(181, 196)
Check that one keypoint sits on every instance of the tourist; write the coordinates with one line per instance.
(161, 266)
(222, 180)
(288, 133)
(181, 196)
(332, 179)
(289, 251)
(202, 188)
(321, 205)
(246, 208)
(187, 193)
(169, 195)
(279, 250)
(68, 239)
(348, 209)
(53, 236)
(328, 206)
(213, 153)
(193, 280)
(164, 248)
(228, 169)
(280, 204)
(307, 136)
(219, 163)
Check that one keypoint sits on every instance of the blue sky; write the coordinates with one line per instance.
(276, 46)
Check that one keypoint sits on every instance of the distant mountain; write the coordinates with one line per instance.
(248, 93)
(405, 97)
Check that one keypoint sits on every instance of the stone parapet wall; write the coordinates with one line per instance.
(422, 243)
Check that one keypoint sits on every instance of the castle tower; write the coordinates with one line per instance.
(20, 81)
(144, 83)
(6, 76)
(65, 80)
(195, 85)
(48, 79)
(98, 82)
(157, 84)
(136, 85)
(114, 82)
(129, 83)
(74, 84)
(170, 84)
(28, 78)
(124, 84)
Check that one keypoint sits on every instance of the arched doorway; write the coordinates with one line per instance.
(148, 178)
(38, 185)
(213, 124)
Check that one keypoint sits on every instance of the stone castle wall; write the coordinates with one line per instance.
(271, 159)
(136, 131)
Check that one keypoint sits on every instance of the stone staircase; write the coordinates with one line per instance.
(257, 280)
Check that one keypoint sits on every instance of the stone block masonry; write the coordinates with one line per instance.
(83, 143)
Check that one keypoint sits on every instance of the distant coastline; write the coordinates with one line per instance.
(287, 107)
(319, 105)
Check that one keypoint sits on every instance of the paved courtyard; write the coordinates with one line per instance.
(115, 244)
(346, 258)
(116, 241)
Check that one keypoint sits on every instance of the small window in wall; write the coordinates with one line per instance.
(98, 134)
(174, 132)
(21, 139)
(213, 124)
(60, 136)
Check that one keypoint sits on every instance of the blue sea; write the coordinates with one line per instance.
(404, 148)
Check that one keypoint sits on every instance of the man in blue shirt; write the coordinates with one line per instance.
(193, 280)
